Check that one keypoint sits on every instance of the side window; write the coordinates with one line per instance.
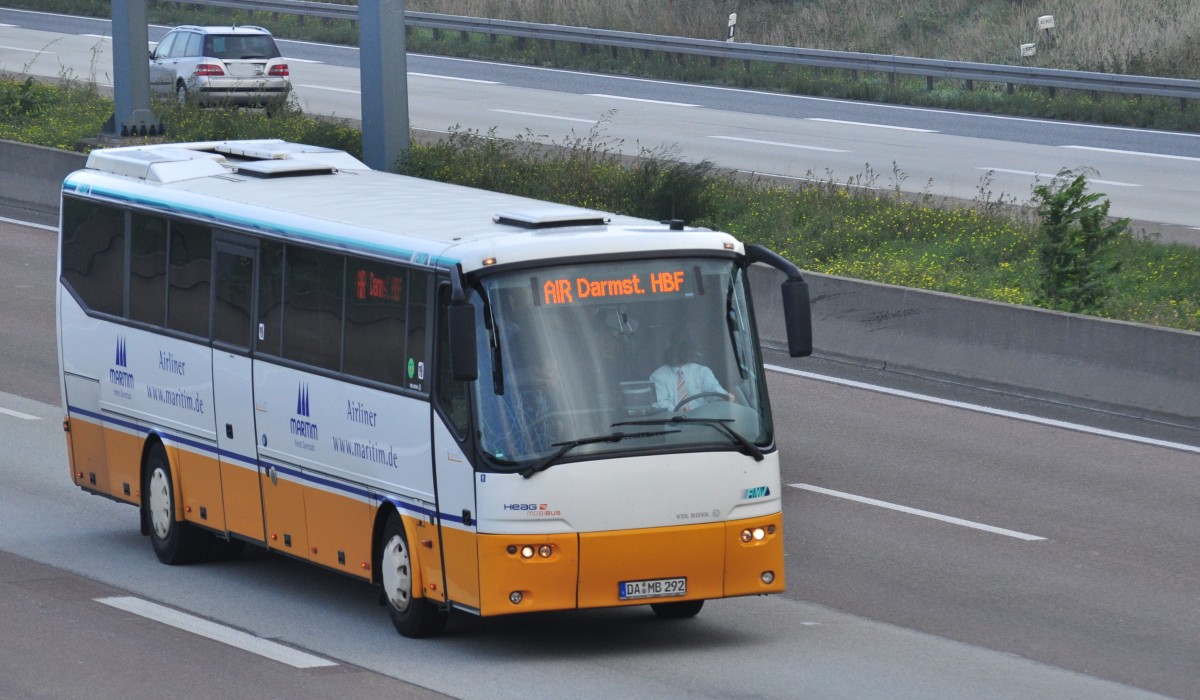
(188, 278)
(233, 294)
(93, 245)
(192, 48)
(147, 269)
(312, 302)
(268, 332)
(163, 50)
(377, 299)
(418, 301)
(451, 395)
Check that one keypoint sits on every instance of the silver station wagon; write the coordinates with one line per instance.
(220, 65)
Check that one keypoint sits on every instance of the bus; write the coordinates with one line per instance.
(471, 400)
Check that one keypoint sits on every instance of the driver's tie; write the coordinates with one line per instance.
(681, 392)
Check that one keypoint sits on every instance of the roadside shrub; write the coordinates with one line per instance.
(1073, 242)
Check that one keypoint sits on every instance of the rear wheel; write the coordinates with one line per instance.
(174, 541)
(412, 616)
(181, 93)
(676, 611)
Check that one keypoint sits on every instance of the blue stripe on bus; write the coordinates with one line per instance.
(257, 462)
(259, 225)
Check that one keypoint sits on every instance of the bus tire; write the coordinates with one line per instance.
(677, 611)
(174, 541)
(413, 617)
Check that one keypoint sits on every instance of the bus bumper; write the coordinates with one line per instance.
(631, 567)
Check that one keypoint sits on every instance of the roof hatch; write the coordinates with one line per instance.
(550, 217)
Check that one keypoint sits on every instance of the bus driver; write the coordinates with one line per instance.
(681, 384)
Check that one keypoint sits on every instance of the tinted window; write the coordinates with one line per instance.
(312, 316)
(188, 289)
(418, 292)
(376, 311)
(94, 254)
(240, 46)
(234, 295)
(270, 297)
(148, 269)
(451, 395)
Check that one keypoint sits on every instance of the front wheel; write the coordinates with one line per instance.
(413, 617)
(676, 611)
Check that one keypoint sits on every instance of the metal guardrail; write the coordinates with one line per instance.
(843, 60)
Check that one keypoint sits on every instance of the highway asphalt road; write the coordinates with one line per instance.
(1149, 175)
(932, 552)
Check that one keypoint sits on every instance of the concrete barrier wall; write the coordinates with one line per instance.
(1045, 354)
(1082, 360)
(31, 179)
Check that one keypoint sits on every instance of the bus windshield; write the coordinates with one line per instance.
(618, 357)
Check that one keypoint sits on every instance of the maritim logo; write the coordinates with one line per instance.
(300, 425)
(119, 375)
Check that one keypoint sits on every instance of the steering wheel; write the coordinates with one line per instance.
(702, 395)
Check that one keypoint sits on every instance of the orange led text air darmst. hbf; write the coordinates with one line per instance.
(562, 291)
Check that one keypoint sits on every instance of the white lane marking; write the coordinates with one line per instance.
(640, 99)
(18, 414)
(293, 59)
(331, 89)
(98, 36)
(219, 633)
(877, 126)
(15, 48)
(451, 77)
(808, 179)
(778, 143)
(988, 410)
(30, 224)
(923, 513)
(543, 116)
(1052, 176)
(1132, 153)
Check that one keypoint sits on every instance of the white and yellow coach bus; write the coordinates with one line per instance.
(475, 401)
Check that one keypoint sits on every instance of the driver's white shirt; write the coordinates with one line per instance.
(697, 379)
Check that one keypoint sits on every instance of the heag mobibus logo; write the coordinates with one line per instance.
(119, 375)
(535, 510)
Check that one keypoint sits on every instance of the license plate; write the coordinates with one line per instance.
(652, 588)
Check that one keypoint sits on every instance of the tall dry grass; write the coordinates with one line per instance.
(1158, 37)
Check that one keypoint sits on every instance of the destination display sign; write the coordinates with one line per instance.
(600, 288)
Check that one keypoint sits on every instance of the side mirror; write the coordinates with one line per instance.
(797, 313)
(464, 361)
(797, 317)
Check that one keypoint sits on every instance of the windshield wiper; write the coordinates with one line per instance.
(565, 447)
(718, 424)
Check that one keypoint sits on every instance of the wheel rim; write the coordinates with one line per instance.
(397, 573)
(181, 94)
(160, 503)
